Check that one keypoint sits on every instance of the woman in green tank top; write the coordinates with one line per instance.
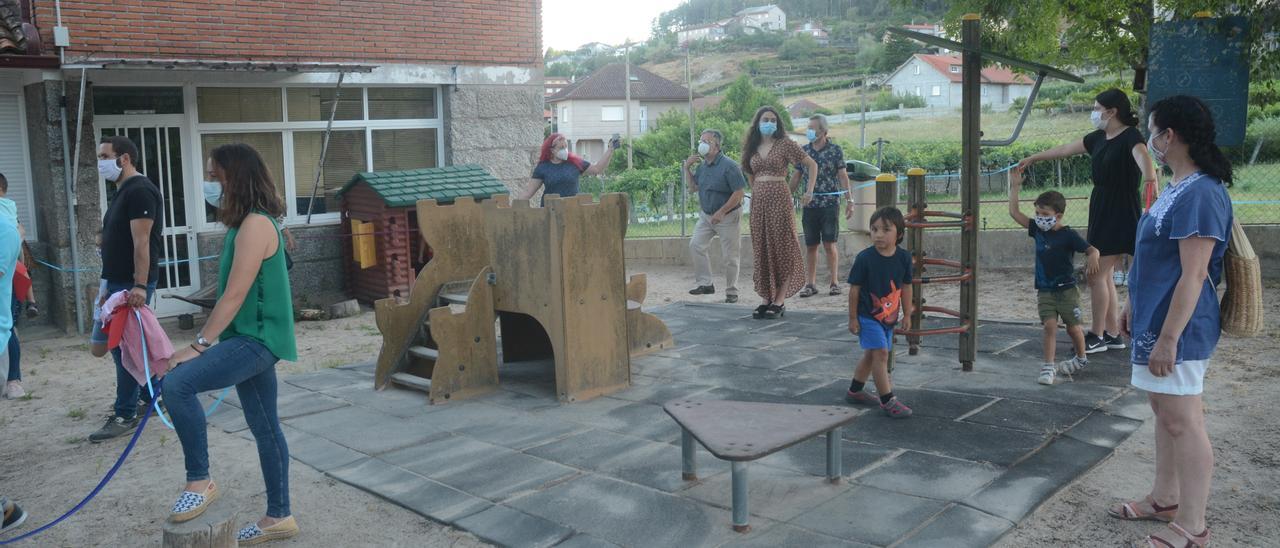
(253, 324)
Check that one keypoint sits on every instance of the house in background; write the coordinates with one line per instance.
(711, 32)
(815, 31)
(932, 29)
(180, 83)
(592, 110)
(937, 79)
(803, 108)
(768, 18)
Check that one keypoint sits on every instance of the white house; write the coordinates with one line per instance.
(768, 18)
(592, 110)
(815, 31)
(937, 79)
(711, 32)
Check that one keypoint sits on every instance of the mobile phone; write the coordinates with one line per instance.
(615, 142)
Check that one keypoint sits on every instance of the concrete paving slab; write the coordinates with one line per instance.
(1020, 490)
(974, 442)
(828, 328)
(533, 371)
(365, 430)
(588, 450)
(870, 515)
(743, 395)
(740, 340)
(789, 536)
(1134, 404)
(296, 404)
(665, 367)
(830, 365)
(315, 451)
(428, 498)
(1040, 418)
(631, 459)
(662, 392)
(521, 433)
(1104, 430)
(960, 527)
(283, 390)
(477, 468)
(710, 354)
(398, 402)
(935, 403)
(778, 383)
(773, 493)
(455, 416)
(810, 457)
(1024, 387)
(632, 418)
(841, 349)
(507, 527)
(931, 476)
(325, 379)
(541, 390)
(582, 540)
(365, 367)
(629, 515)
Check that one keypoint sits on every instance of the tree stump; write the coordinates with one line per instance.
(215, 528)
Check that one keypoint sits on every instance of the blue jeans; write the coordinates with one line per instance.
(248, 365)
(15, 356)
(126, 388)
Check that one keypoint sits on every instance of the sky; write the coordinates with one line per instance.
(568, 24)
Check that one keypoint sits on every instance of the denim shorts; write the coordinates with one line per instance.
(874, 335)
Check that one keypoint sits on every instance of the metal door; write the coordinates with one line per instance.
(160, 139)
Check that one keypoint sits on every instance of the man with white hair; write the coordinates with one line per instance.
(821, 217)
(719, 184)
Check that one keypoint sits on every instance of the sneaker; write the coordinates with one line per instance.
(115, 427)
(730, 299)
(835, 290)
(1094, 344)
(1073, 365)
(1114, 342)
(13, 390)
(1047, 373)
(861, 397)
(14, 516)
(32, 311)
(808, 291)
(896, 409)
(703, 290)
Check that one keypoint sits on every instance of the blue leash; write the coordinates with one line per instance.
(155, 404)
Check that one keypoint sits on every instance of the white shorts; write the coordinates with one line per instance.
(1186, 379)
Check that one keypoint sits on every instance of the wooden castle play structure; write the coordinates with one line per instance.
(551, 278)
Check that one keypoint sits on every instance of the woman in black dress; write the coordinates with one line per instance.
(1121, 164)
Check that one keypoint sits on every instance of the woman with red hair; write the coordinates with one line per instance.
(558, 170)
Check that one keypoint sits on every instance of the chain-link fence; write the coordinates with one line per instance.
(669, 211)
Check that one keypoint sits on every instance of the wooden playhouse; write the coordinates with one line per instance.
(380, 223)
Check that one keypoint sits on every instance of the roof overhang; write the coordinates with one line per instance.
(203, 65)
(1031, 66)
(29, 61)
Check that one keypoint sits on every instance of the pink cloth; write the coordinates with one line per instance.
(120, 317)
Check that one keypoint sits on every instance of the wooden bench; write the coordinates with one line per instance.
(740, 432)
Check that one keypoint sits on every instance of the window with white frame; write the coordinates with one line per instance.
(955, 69)
(936, 91)
(374, 129)
(612, 113)
(919, 92)
(564, 114)
(916, 68)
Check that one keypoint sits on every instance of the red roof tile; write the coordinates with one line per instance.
(990, 75)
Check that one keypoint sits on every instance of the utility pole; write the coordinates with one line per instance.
(630, 162)
(688, 82)
(862, 142)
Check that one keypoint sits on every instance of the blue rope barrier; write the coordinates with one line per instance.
(161, 263)
(155, 396)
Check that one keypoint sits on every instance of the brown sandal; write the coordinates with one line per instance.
(1129, 511)
(1189, 540)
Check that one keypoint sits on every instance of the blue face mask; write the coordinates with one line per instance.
(811, 134)
(213, 193)
(767, 128)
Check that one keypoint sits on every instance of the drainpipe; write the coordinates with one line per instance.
(70, 167)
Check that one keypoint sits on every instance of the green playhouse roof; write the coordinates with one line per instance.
(443, 184)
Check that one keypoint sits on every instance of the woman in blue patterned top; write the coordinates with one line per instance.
(1172, 315)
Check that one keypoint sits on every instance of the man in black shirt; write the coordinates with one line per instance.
(130, 255)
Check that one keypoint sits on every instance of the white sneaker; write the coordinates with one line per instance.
(13, 390)
(1047, 373)
(1073, 365)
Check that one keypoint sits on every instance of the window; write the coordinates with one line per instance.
(564, 114)
(133, 100)
(936, 91)
(612, 114)
(918, 92)
(916, 68)
(231, 105)
(955, 69)
(375, 129)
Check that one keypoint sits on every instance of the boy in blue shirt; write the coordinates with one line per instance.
(879, 291)
(1056, 246)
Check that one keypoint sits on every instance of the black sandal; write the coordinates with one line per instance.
(760, 311)
(775, 311)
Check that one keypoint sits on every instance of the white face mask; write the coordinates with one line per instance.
(1046, 224)
(562, 154)
(1096, 118)
(109, 169)
(1157, 154)
(213, 193)
(703, 148)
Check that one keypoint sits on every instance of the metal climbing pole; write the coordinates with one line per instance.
(971, 128)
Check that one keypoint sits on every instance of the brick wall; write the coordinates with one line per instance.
(468, 32)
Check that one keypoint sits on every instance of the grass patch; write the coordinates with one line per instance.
(77, 413)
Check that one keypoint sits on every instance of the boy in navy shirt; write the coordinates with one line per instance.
(879, 290)
(1056, 246)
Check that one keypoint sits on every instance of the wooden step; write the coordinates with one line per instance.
(414, 382)
(424, 353)
(455, 292)
(632, 305)
(453, 298)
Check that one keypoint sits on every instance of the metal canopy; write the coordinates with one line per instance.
(220, 66)
(1032, 66)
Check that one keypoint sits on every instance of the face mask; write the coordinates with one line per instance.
(767, 128)
(562, 154)
(109, 169)
(1157, 154)
(1096, 118)
(213, 193)
(703, 148)
(1046, 224)
(811, 134)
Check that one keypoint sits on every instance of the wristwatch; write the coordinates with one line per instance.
(200, 340)
(140, 286)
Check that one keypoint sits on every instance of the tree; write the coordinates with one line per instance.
(896, 52)
(562, 70)
(796, 47)
(1109, 35)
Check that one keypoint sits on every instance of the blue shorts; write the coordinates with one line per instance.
(874, 335)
